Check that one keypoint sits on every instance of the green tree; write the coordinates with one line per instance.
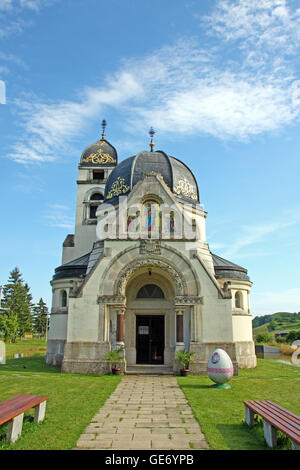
(263, 338)
(292, 336)
(40, 319)
(25, 313)
(9, 325)
(15, 318)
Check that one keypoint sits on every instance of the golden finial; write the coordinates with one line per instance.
(103, 128)
(151, 133)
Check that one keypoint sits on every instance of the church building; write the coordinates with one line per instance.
(138, 272)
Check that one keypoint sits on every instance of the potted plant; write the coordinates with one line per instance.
(185, 359)
(115, 357)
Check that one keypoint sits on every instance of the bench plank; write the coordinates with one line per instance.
(285, 426)
(274, 413)
(18, 405)
(12, 406)
(279, 417)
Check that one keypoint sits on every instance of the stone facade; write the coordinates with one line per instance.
(102, 309)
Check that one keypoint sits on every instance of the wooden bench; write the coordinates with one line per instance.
(12, 411)
(274, 418)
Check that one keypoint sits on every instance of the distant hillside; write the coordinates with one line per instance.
(280, 321)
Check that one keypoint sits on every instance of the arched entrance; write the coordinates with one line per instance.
(149, 318)
(150, 329)
(160, 294)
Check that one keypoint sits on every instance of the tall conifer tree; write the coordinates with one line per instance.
(15, 317)
(40, 321)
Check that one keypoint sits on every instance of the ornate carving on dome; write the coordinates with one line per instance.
(99, 157)
(146, 262)
(118, 187)
(186, 189)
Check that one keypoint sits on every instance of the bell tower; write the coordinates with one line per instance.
(96, 163)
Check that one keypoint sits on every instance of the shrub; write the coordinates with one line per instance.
(263, 338)
(286, 349)
(292, 336)
(185, 358)
(280, 339)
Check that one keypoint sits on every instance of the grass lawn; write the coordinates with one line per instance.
(221, 413)
(30, 346)
(73, 401)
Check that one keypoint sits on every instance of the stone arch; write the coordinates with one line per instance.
(122, 266)
(63, 298)
(127, 271)
(91, 191)
(238, 299)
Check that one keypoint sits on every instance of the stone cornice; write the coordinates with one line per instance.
(188, 300)
(112, 299)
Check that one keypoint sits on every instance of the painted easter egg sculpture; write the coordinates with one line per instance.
(220, 368)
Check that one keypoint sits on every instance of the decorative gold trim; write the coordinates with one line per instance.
(99, 157)
(118, 187)
(186, 189)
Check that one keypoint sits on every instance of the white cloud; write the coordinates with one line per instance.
(12, 12)
(278, 301)
(252, 235)
(2, 92)
(269, 23)
(50, 127)
(5, 5)
(32, 4)
(183, 88)
(58, 216)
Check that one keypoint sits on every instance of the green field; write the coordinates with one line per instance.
(221, 412)
(276, 323)
(73, 401)
(26, 346)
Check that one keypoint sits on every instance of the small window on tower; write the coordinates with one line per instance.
(64, 298)
(98, 175)
(95, 201)
(238, 300)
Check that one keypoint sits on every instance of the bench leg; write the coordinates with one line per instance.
(14, 428)
(270, 434)
(249, 416)
(295, 445)
(39, 412)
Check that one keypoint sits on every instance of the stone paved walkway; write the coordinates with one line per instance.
(144, 413)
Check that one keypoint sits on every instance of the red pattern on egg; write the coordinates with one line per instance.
(220, 371)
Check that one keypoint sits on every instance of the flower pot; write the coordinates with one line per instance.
(116, 371)
(184, 372)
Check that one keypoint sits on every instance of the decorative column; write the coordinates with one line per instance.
(179, 328)
(102, 326)
(120, 327)
(193, 332)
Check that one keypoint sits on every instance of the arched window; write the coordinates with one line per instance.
(64, 298)
(150, 291)
(150, 217)
(238, 300)
(95, 200)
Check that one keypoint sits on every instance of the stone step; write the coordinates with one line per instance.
(146, 369)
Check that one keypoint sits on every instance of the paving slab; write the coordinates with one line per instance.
(144, 412)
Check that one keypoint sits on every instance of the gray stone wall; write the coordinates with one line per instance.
(55, 352)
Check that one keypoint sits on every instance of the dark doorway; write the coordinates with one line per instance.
(150, 339)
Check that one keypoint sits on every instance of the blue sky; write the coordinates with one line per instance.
(219, 81)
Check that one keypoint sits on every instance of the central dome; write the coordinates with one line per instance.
(129, 172)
